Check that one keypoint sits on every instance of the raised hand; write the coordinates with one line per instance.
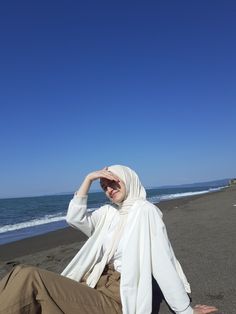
(103, 173)
(204, 309)
(99, 174)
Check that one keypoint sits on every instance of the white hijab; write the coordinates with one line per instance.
(134, 192)
(134, 188)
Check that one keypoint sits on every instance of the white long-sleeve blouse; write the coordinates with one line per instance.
(144, 249)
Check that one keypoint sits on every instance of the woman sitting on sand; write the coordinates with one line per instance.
(112, 273)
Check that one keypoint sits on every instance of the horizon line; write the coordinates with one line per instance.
(98, 190)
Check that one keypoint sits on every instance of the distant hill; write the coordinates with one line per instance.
(216, 183)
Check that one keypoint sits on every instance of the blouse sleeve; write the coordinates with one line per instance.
(164, 270)
(78, 217)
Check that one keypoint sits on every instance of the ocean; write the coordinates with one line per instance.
(29, 216)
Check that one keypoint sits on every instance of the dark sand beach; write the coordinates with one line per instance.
(202, 230)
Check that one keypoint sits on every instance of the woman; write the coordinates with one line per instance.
(112, 273)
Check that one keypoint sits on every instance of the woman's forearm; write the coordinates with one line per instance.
(84, 188)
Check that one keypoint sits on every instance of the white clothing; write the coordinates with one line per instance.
(116, 259)
(145, 248)
(133, 190)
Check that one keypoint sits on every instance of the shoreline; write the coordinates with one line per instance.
(34, 227)
(201, 229)
(69, 235)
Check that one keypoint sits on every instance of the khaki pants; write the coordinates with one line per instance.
(33, 290)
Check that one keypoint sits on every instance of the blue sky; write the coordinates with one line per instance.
(148, 84)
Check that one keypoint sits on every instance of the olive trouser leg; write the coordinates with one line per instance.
(34, 290)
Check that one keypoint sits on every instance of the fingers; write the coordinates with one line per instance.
(109, 175)
(103, 173)
(204, 309)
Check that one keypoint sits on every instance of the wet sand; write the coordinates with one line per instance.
(202, 230)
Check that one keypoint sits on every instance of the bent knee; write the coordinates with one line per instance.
(27, 271)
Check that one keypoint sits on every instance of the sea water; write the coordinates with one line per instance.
(29, 216)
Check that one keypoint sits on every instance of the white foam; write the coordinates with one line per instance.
(60, 216)
(156, 199)
(92, 209)
(36, 222)
(32, 223)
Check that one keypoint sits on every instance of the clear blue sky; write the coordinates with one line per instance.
(85, 84)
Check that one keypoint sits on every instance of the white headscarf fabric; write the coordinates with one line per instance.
(134, 192)
(134, 188)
